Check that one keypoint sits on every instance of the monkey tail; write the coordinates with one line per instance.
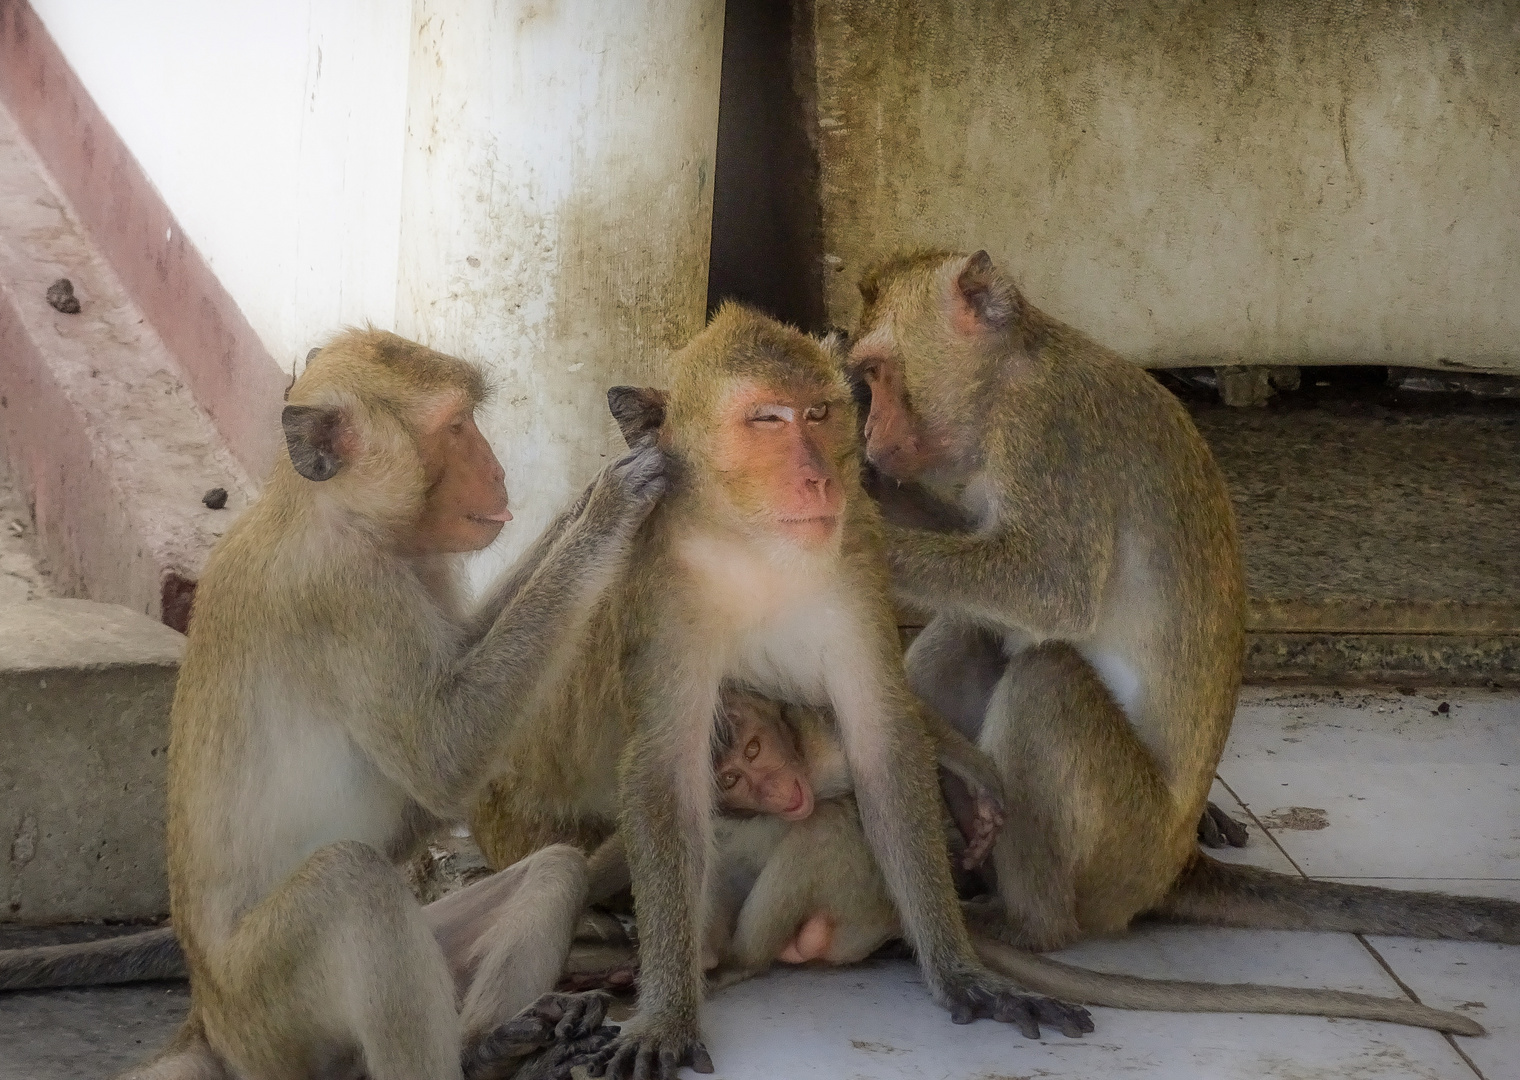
(1230, 894)
(152, 954)
(1042, 975)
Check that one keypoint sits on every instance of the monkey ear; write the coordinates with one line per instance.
(989, 299)
(638, 410)
(311, 436)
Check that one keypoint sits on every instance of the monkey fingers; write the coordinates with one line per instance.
(650, 1056)
(617, 977)
(976, 996)
(981, 831)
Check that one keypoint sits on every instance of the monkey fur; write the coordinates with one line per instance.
(763, 565)
(1087, 605)
(334, 706)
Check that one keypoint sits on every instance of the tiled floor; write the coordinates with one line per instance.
(1404, 795)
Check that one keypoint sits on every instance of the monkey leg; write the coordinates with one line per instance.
(506, 937)
(336, 967)
(1079, 854)
(819, 897)
(954, 667)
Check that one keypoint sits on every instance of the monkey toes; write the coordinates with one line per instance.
(569, 1024)
(1216, 829)
(650, 1056)
(978, 996)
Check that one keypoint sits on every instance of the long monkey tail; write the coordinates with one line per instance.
(152, 954)
(1230, 894)
(1045, 976)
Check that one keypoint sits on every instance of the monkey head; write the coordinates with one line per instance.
(932, 323)
(383, 431)
(760, 425)
(760, 769)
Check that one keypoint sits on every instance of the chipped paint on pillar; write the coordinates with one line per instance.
(1271, 183)
(556, 216)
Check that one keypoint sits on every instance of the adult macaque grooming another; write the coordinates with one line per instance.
(1087, 618)
(762, 565)
(334, 707)
(793, 880)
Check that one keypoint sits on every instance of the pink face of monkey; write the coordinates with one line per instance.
(762, 770)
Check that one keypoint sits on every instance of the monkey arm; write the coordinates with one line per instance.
(511, 582)
(441, 745)
(1045, 579)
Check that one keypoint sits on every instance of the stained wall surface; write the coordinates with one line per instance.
(1193, 183)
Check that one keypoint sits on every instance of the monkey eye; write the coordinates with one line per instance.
(818, 412)
(752, 749)
(772, 414)
(728, 780)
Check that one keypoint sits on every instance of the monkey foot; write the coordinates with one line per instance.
(977, 995)
(813, 941)
(569, 1025)
(1216, 829)
(650, 1055)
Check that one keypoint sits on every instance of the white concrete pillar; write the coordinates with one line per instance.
(556, 214)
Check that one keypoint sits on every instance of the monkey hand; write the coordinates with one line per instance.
(570, 1024)
(976, 993)
(981, 829)
(628, 489)
(653, 1053)
(978, 815)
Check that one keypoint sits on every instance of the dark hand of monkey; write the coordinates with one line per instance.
(970, 997)
(561, 1021)
(628, 489)
(651, 1056)
(1216, 829)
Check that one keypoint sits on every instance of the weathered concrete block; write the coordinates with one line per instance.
(85, 690)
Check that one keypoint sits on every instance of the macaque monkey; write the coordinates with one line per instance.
(793, 880)
(1087, 606)
(334, 707)
(762, 565)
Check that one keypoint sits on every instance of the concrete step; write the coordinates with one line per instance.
(85, 690)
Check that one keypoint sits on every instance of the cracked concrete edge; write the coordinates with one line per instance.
(1363, 615)
(1384, 659)
(39, 636)
(108, 445)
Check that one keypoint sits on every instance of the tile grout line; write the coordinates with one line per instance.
(1264, 830)
(1408, 990)
(1400, 983)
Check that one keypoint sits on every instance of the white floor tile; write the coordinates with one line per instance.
(1374, 785)
(1479, 979)
(877, 1023)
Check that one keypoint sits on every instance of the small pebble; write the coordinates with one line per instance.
(215, 499)
(61, 295)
